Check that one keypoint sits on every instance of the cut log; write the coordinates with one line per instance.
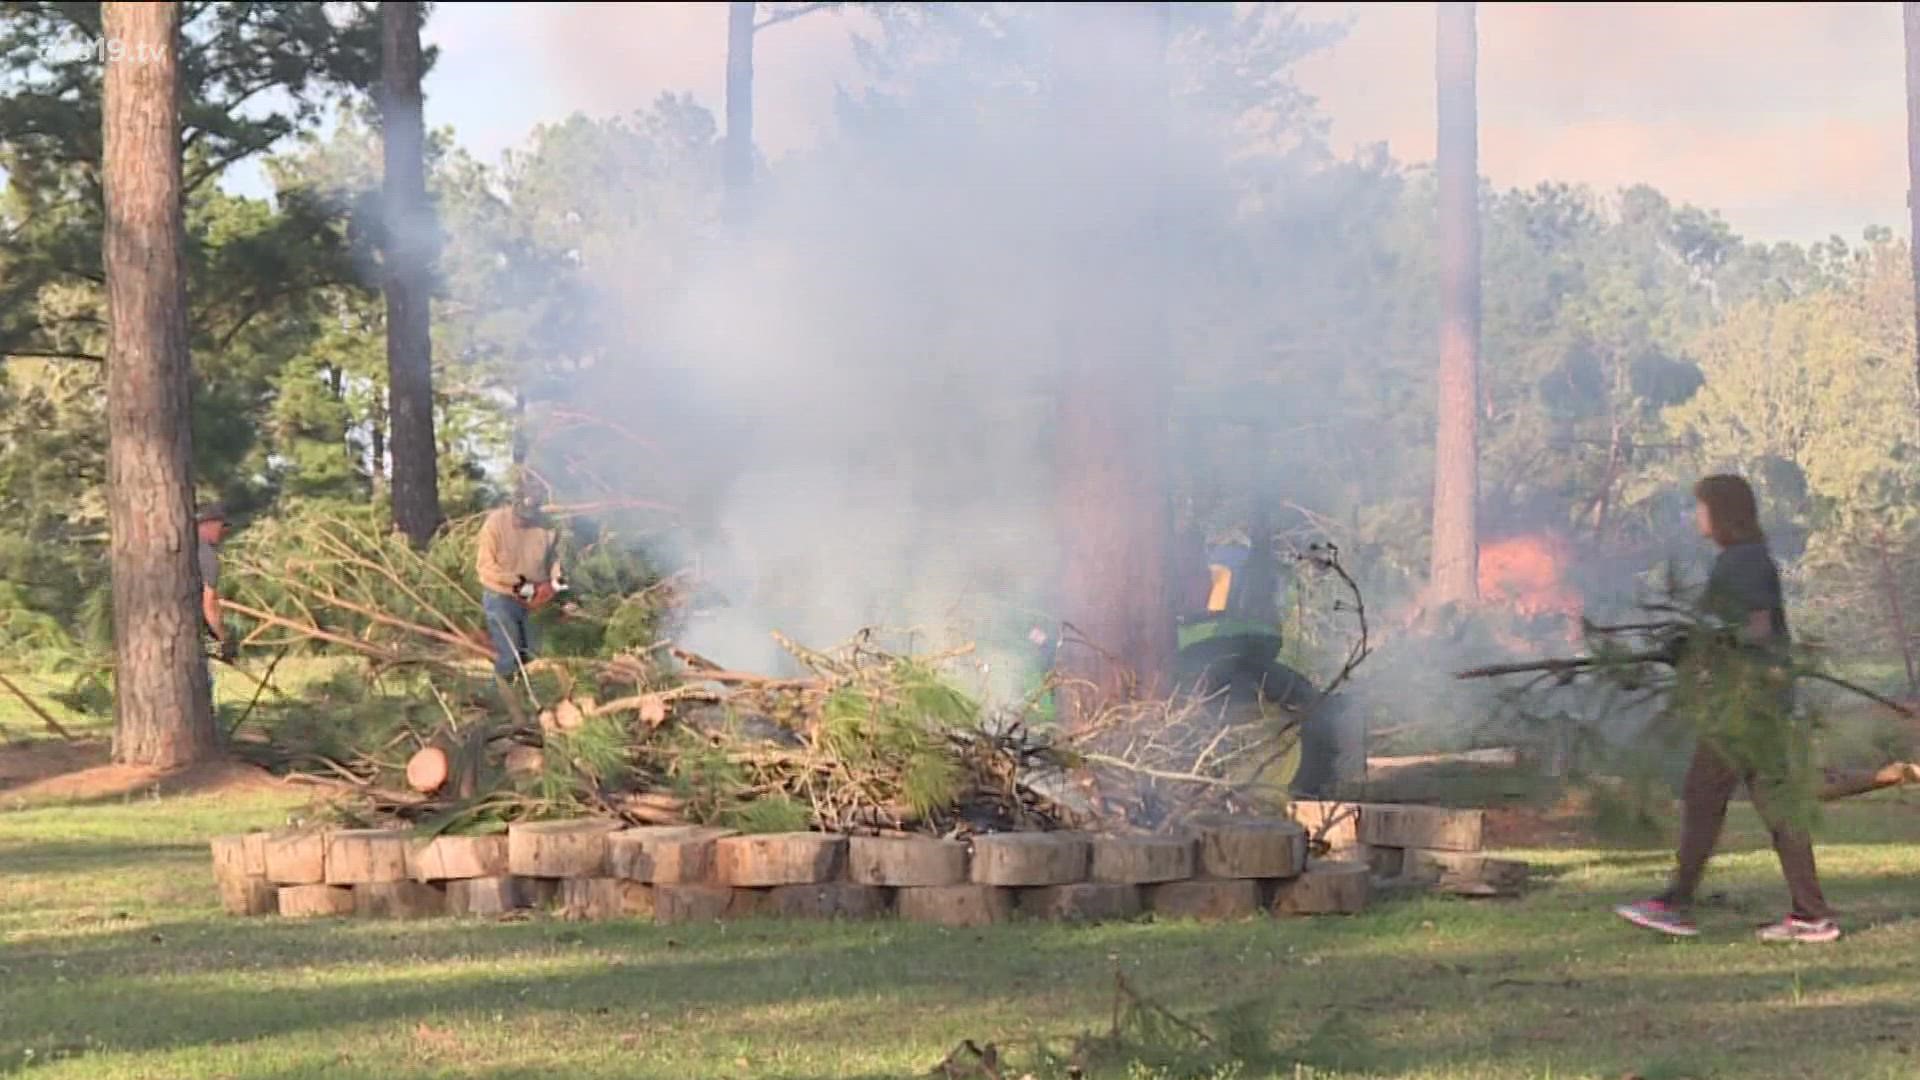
(524, 761)
(908, 861)
(704, 903)
(558, 849)
(427, 770)
(541, 893)
(779, 859)
(665, 855)
(1251, 847)
(1326, 888)
(1841, 783)
(1141, 860)
(315, 901)
(1498, 757)
(489, 896)
(1430, 827)
(296, 858)
(599, 899)
(366, 856)
(1204, 899)
(567, 716)
(833, 900)
(450, 858)
(240, 855)
(1337, 824)
(1084, 902)
(246, 894)
(955, 905)
(1465, 874)
(1385, 862)
(1027, 859)
(398, 900)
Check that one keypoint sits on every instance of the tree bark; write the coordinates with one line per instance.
(1111, 455)
(410, 231)
(1910, 14)
(162, 712)
(738, 168)
(1456, 488)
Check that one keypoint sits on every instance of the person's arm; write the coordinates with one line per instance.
(488, 566)
(210, 611)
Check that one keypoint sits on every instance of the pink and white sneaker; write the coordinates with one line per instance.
(1796, 930)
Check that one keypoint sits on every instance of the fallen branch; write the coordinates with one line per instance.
(34, 707)
(1842, 783)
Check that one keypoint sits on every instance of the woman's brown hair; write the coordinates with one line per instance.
(1733, 514)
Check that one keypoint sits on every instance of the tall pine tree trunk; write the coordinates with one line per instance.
(1112, 494)
(738, 168)
(162, 715)
(410, 233)
(1910, 13)
(1456, 487)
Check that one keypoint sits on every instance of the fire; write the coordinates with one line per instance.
(1528, 575)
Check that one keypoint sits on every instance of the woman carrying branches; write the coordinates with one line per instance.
(1747, 733)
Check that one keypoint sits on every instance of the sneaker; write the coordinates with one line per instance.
(1658, 915)
(1794, 929)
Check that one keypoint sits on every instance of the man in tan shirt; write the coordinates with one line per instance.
(519, 571)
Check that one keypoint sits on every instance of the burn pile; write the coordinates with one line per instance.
(613, 721)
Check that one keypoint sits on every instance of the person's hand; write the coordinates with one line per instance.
(542, 596)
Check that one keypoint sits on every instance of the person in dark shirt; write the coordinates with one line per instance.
(1743, 593)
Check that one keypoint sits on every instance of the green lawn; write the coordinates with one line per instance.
(114, 963)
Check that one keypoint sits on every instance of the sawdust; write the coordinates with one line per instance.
(50, 771)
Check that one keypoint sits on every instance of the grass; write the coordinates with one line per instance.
(114, 963)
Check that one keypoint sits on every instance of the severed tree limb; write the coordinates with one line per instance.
(1842, 783)
(34, 707)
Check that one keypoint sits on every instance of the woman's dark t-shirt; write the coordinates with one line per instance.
(1745, 579)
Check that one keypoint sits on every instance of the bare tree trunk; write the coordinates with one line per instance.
(738, 168)
(1113, 507)
(1456, 487)
(1910, 13)
(410, 233)
(162, 712)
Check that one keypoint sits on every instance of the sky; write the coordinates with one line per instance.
(1789, 119)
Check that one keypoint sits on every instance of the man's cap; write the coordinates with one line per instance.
(211, 512)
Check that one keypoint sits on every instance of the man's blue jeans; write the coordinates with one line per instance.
(512, 633)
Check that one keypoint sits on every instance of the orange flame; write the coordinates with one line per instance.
(1528, 575)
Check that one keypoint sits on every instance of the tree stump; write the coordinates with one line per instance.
(779, 859)
(1430, 827)
(597, 899)
(297, 858)
(1465, 875)
(1084, 902)
(665, 854)
(955, 905)
(1205, 899)
(1028, 859)
(427, 770)
(488, 895)
(832, 900)
(315, 901)
(1251, 847)
(366, 856)
(398, 900)
(451, 858)
(1141, 860)
(1326, 888)
(909, 861)
(558, 849)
